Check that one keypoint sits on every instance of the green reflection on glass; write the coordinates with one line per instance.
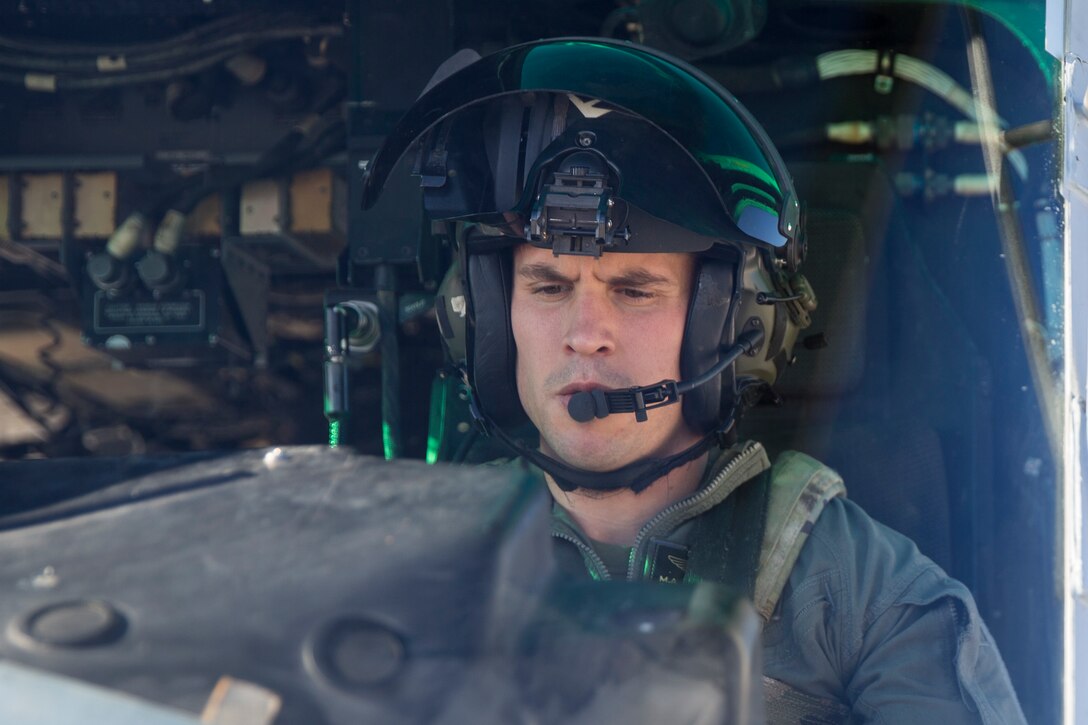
(436, 427)
(388, 443)
(334, 433)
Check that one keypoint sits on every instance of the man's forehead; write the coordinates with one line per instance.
(672, 266)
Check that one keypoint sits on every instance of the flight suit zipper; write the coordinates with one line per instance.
(744, 465)
(597, 568)
(749, 462)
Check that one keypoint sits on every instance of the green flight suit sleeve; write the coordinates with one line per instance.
(866, 620)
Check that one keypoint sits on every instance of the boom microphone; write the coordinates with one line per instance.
(589, 404)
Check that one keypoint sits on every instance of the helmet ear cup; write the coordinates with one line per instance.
(492, 354)
(451, 310)
(709, 327)
(782, 322)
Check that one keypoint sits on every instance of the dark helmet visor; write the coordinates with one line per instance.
(729, 148)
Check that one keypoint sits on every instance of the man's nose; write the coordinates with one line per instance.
(590, 326)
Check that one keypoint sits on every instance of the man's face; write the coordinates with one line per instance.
(614, 322)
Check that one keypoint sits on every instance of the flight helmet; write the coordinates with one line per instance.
(591, 147)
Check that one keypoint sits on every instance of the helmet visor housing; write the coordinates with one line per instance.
(751, 197)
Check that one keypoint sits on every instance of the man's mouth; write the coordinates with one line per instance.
(567, 391)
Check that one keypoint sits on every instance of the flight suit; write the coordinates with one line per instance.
(859, 626)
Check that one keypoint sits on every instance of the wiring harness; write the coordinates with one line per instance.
(55, 67)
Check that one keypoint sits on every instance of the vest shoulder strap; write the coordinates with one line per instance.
(800, 488)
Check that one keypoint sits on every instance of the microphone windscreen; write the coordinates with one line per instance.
(581, 407)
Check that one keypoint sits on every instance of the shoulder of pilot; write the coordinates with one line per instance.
(822, 536)
(794, 473)
(835, 532)
(800, 488)
(865, 548)
(873, 567)
(814, 534)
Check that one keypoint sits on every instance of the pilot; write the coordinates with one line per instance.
(628, 281)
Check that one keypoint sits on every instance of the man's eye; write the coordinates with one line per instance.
(636, 294)
(549, 290)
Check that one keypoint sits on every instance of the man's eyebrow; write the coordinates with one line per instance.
(539, 272)
(636, 277)
(640, 277)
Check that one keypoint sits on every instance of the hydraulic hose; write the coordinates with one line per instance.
(862, 62)
(795, 72)
(53, 82)
(1030, 134)
(45, 47)
(122, 58)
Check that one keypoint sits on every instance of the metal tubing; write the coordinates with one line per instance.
(1034, 332)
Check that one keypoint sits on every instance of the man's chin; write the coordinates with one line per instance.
(589, 453)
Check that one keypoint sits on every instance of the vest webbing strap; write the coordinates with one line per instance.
(728, 538)
(802, 487)
(728, 546)
(786, 705)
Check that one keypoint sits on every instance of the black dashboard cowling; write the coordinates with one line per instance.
(354, 589)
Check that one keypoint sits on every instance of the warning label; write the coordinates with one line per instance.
(176, 314)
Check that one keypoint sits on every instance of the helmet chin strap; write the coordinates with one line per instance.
(636, 476)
